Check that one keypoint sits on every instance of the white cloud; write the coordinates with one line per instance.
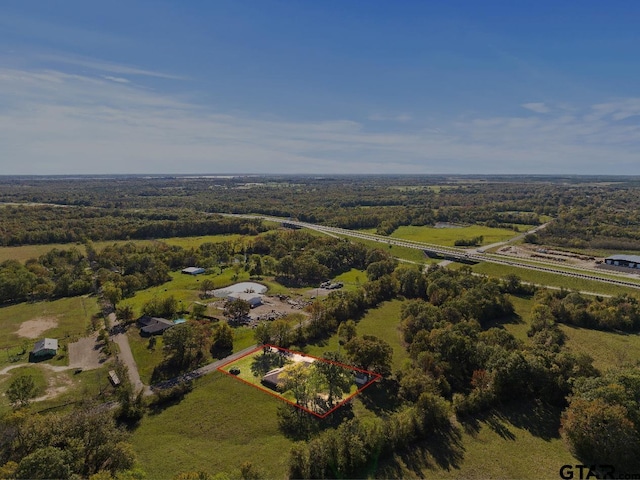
(56, 122)
(116, 79)
(536, 107)
(105, 66)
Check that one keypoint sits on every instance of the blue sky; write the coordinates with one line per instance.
(325, 86)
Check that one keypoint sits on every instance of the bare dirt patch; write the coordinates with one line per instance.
(58, 383)
(36, 327)
(534, 252)
(272, 308)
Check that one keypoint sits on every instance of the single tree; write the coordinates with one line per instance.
(21, 391)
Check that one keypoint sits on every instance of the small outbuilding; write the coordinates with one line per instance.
(153, 325)
(193, 270)
(253, 299)
(47, 347)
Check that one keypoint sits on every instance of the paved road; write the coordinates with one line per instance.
(211, 367)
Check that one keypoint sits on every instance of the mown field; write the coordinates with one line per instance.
(447, 236)
(217, 427)
(25, 252)
(381, 322)
(72, 315)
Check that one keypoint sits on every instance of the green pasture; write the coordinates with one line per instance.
(383, 322)
(447, 236)
(71, 387)
(146, 358)
(195, 242)
(23, 253)
(608, 349)
(352, 279)
(243, 337)
(520, 441)
(73, 315)
(217, 427)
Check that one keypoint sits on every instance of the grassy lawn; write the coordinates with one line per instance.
(522, 441)
(69, 387)
(28, 370)
(216, 428)
(184, 288)
(553, 279)
(447, 236)
(383, 323)
(146, 359)
(608, 349)
(73, 316)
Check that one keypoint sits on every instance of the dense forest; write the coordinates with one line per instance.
(585, 212)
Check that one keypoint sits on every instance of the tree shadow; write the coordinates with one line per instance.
(538, 418)
(443, 450)
(381, 397)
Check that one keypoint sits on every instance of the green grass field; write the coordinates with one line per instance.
(73, 317)
(448, 236)
(217, 427)
(146, 359)
(608, 349)
(34, 371)
(516, 443)
(383, 323)
(25, 252)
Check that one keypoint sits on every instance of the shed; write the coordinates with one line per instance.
(254, 299)
(153, 325)
(47, 347)
(193, 270)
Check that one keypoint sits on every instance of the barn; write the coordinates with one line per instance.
(628, 261)
(253, 299)
(193, 270)
(47, 347)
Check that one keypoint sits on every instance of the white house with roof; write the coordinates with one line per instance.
(47, 347)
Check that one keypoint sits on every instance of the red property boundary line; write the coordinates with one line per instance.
(374, 378)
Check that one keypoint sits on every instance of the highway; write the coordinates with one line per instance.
(472, 255)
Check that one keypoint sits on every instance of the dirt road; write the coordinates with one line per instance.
(126, 356)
